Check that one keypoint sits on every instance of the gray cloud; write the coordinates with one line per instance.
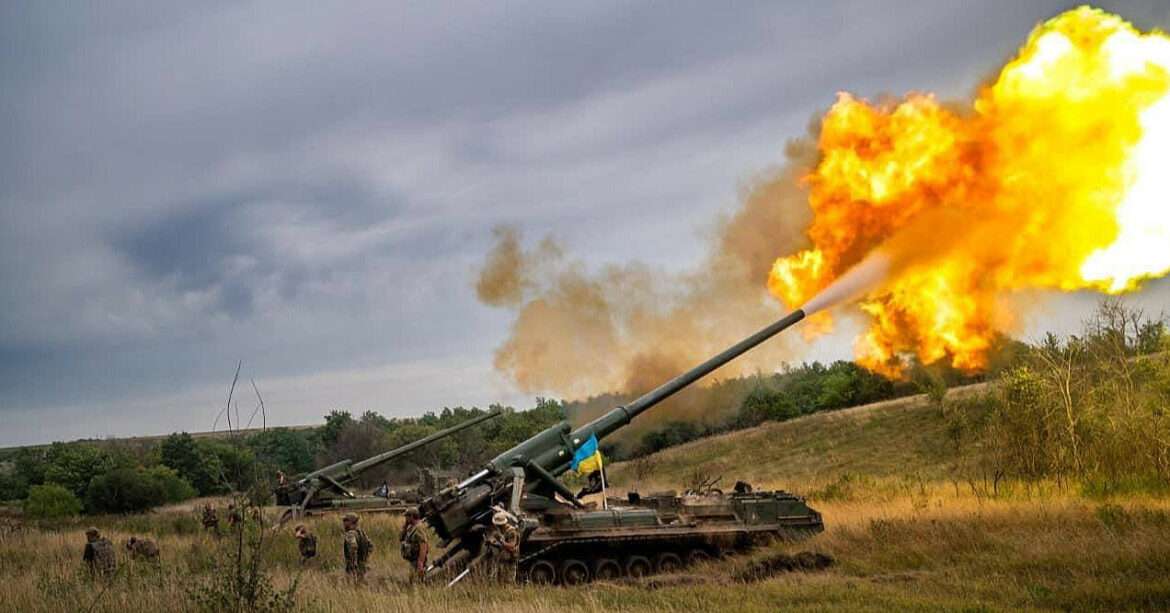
(309, 187)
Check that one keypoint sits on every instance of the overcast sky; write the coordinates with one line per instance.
(310, 188)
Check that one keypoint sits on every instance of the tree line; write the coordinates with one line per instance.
(1091, 410)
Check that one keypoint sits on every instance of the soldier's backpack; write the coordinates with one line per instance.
(409, 544)
(309, 546)
(105, 561)
(365, 546)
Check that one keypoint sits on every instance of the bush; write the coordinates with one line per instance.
(124, 490)
(175, 488)
(50, 501)
(13, 487)
(193, 463)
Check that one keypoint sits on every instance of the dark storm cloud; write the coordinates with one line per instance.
(309, 186)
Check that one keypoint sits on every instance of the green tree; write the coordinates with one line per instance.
(230, 461)
(124, 490)
(13, 486)
(50, 501)
(283, 449)
(180, 452)
(1151, 337)
(75, 465)
(175, 488)
(335, 422)
(30, 465)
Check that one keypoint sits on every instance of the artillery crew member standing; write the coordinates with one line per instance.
(414, 543)
(210, 519)
(306, 543)
(99, 556)
(356, 548)
(142, 549)
(234, 517)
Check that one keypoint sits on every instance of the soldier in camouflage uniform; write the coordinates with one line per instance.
(306, 543)
(142, 549)
(234, 517)
(356, 548)
(99, 556)
(500, 552)
(415, 544)
(210, 519)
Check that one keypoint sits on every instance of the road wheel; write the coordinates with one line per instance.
(638, 566)
(574, 572)
(697, 556)
(668, 562)
(606, 569)
(542, 572)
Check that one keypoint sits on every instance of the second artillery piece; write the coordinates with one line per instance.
(326, 489)
(565, 541)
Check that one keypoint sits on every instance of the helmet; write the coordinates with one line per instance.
(350, 517)
(91, 531)
(500, 518)
(412, 513)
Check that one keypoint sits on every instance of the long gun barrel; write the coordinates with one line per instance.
(347, 470)
(303, 493)
(548, 454)
(422, 442)
(556, 460)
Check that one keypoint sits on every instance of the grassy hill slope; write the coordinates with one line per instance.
(895, 438)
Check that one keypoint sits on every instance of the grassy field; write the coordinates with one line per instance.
(901, 438)
(905, 537)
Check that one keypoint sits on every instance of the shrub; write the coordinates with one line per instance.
(175, 488)
(13, 487)
(124, 490)
(50, 501)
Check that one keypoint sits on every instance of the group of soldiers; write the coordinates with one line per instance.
(101, 560)
(356, 547)
(496, 560)
(210, 518)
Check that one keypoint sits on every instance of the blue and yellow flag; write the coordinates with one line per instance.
(588, 457)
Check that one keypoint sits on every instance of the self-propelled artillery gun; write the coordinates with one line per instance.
(327, 489)
(566, 541)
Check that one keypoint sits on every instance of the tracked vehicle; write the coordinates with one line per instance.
(657, 534)
(566, 541)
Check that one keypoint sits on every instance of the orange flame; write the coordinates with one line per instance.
(1057, 176)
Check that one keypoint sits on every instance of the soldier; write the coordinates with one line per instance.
(501, 548)
(356, 548)
(414, 544)
(210, 519)
(234, 517)
(142, 549)
(306, 543)
(99, 556)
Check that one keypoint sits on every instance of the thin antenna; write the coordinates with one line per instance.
(228, 408)
(259, 407)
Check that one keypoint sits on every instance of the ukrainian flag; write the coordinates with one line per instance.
(588, 457)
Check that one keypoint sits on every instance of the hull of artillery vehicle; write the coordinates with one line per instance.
(562, 540)
(657, 534)
(325, 490)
